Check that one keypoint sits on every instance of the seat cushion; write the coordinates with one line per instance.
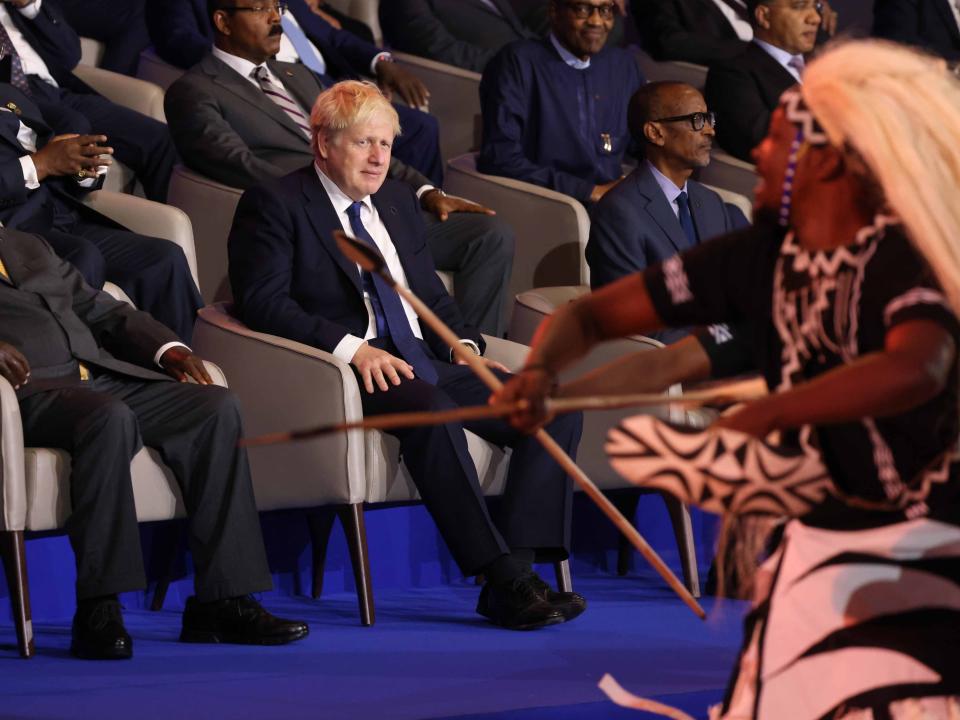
(388, 480)
(47, 475)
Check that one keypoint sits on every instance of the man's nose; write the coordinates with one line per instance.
(709, 130)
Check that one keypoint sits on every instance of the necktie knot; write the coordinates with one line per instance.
(260, 74)
(683, 200)
(353, 212)
(797, 63)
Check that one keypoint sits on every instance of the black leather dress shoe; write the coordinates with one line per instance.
(240, 620)
(99, 634)
(517, 605)
(570, 604)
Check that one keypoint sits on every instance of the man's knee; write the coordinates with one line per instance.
(107, 422)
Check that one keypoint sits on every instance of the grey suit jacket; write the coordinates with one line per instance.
(633, 227)
(226, 128)
(56, 320)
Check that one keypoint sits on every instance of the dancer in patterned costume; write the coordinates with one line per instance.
(846, 293)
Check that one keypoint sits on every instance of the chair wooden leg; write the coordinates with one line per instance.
(683, 532)
(351, 517)
(564, 580)
(320, 523)
(14, 557)
(626, 503)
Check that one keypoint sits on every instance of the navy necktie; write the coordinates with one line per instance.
(686, 219)
(388, 313)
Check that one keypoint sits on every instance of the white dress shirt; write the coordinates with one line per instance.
(568, 57)
(288, 53)
(783, 57)
(741, 27)
(348, 346)
(668, 187)
(31, 62)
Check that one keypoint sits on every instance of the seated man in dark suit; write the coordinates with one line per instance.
(658, 211)
(290, 280)
(696, 31)
(94, 378)
(43, 49)
(745, 90)
(42, 178)
(555, 110)
(229, 127)
(118, 24)
(183, 33)
(464, 33)
(930, 24)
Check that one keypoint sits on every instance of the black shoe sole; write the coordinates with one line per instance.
(570, 612)
(552, 620)
(209, 636)
(85, 654)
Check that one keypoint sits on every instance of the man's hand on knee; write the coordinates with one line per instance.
(440, 204)
(380, 367)
(183, 365)
(13, 365)
(77, 155)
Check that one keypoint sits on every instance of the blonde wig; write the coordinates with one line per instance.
(898, 109)
(350, 103)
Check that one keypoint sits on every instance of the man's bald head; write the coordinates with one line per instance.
(661, 116)
(657, 100)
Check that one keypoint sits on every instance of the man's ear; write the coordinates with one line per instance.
(654, 134)
(220, 22)
(762, 16)
(321, 144)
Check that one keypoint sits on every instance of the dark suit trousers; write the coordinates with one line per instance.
(478, 249)
(102, 424)
(535, 509)
(139, 142)
(152, 271)
(419, 144)
(119, 24)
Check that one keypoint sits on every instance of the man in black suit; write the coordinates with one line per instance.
(94, 378)
(696, 31)
(930, 24)
(43, 50)
(745, 90)
(228, 127)
(290, 280)
(464, 33)
(43, 177)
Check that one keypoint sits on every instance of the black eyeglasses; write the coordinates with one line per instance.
(279, 8)
(582, 10)
(698, 120)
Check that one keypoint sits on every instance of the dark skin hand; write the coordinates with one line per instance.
(72, 155)
(183, 365)
(436, 203)
(392, 77)
(13, 365)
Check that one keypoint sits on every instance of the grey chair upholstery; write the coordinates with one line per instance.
(157, 71)
(286, 385)
(551, 228)
(454, 101)
(741, 202)
(35, 496)
(529, 311)
(656, 71)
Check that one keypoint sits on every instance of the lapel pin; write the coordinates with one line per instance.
(607, 142)
(13, 107)
(289, 73)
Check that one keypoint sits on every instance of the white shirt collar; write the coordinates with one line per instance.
(666, 184)
(568, 57)
(781, 56)
(242, 66)
(340, 200)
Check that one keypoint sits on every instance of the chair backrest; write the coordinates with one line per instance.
(139, 95)
(655, 71)
(367, 11)
(551, 228)
(210, 206)
(159, 72)
(741, 202)
(454, 101)
(729, 173)
(91, 52)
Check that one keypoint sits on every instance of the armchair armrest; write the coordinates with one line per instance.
(139, 95)
(512, 354)
(147, 218)
(285, 385)
(13, 489)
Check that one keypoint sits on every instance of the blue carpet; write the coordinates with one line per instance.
(428, 656)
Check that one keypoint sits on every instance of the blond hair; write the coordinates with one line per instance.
(349, 103)
(899, 110)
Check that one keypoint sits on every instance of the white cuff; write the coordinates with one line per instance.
(30, 178)
(377, 58)
(423, 190)
(30, 11)
(470, 344)
(164, 348)
(347, 348)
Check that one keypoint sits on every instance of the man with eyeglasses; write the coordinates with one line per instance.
(745, 90)
(658, 211)
(555, 110)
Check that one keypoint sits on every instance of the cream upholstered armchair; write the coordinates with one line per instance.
(288, 385)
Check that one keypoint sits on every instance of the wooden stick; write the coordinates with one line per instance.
(370, 259)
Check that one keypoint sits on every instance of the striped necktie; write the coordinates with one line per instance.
(17, 77)
(282, 98)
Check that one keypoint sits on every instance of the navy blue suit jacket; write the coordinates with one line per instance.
(54, 41)
(289, 278)
(182, 34)
(926, 23)
(633, 226)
